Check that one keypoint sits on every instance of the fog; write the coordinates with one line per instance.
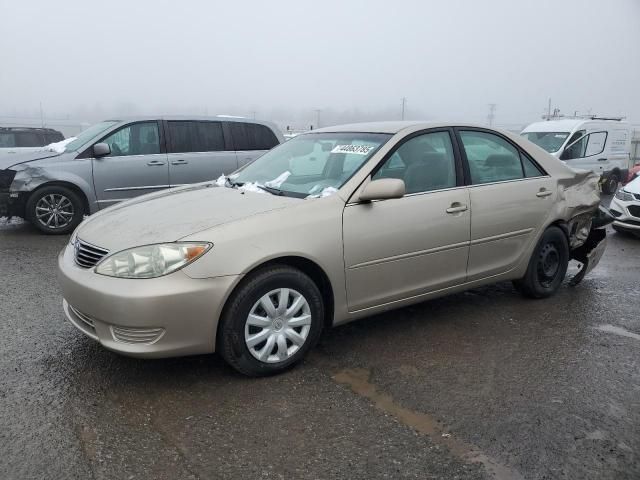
(341, 61)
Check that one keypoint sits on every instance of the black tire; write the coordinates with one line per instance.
(610, 184)
(68, 216)
(231, 331)
(547, 266)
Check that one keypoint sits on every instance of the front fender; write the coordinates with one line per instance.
(30, 177)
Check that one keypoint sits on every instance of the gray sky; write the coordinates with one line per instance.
(352, 59)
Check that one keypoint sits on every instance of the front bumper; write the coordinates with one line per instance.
(11, 204)
(168, 316)
(623, 214)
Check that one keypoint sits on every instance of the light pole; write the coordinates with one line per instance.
(404, 102)
(491, 116)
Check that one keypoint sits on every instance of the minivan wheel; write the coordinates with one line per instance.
(271, 321)
(610, 184)
(55, 210)
(547, 266)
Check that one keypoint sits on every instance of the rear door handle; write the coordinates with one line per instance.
(543, 193)
(179, 162)
(602, 159)
(155, 163)
(457, 208)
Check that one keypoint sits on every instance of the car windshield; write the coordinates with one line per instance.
(550, 141)
(314, 164)
(86, 135)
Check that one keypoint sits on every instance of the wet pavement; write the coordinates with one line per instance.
(484, 384)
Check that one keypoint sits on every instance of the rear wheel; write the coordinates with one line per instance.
(547, 266)
(271, 321)
(610, 183)
(55, 210)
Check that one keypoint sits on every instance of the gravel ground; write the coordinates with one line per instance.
(483, 384)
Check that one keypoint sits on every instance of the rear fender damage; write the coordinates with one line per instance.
(579, 202)
(588, 241)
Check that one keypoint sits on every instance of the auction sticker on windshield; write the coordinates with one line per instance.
(357, 149)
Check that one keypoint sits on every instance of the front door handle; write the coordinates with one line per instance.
(543, 193)
(179, 162)
(155, 163)
(457, 207)
(602, 159)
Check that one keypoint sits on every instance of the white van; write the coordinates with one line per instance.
(600, 145)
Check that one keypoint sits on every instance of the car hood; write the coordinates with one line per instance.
(173, 214)
(633, 186)
(8, 159)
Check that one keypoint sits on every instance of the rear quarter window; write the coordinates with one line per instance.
(252, 136)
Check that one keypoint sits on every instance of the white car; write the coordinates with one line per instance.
(625, 207)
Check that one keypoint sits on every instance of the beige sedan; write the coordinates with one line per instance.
(331, 226)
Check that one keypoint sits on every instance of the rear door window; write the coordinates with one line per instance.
(29, 139)
(530, 168)
(192, 136)
(252, 136)
(490, 158)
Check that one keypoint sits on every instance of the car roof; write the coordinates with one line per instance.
(393, 127)
(226, 118)
(28, 129)
(569, 124)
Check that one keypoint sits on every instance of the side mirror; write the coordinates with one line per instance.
(383, 189)
(101, 149)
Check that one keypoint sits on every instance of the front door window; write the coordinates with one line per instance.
(136, 139)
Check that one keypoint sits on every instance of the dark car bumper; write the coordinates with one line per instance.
(11, 204)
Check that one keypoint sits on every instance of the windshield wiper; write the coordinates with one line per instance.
(271, 190)
(230, 183)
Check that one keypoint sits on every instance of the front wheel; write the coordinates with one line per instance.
(271, 321)
(547, 266)
(55, 210)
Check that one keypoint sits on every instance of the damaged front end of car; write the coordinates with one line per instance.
(588, 219)
(7, 198)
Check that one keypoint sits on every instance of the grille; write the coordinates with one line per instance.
(136, 335)
(88, 255)
(85, 322)
(634, 210)
(637, 195)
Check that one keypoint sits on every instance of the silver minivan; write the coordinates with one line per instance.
(116, 160)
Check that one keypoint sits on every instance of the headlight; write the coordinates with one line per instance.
(151, 261)
(624, 196)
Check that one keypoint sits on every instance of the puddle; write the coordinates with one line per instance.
(358, 381)
(618, 331)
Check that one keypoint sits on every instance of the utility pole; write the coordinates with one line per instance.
(317, 110)
(549, 110)
(404, 102)
(491, 116)
(253, 114)
(41, 116)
